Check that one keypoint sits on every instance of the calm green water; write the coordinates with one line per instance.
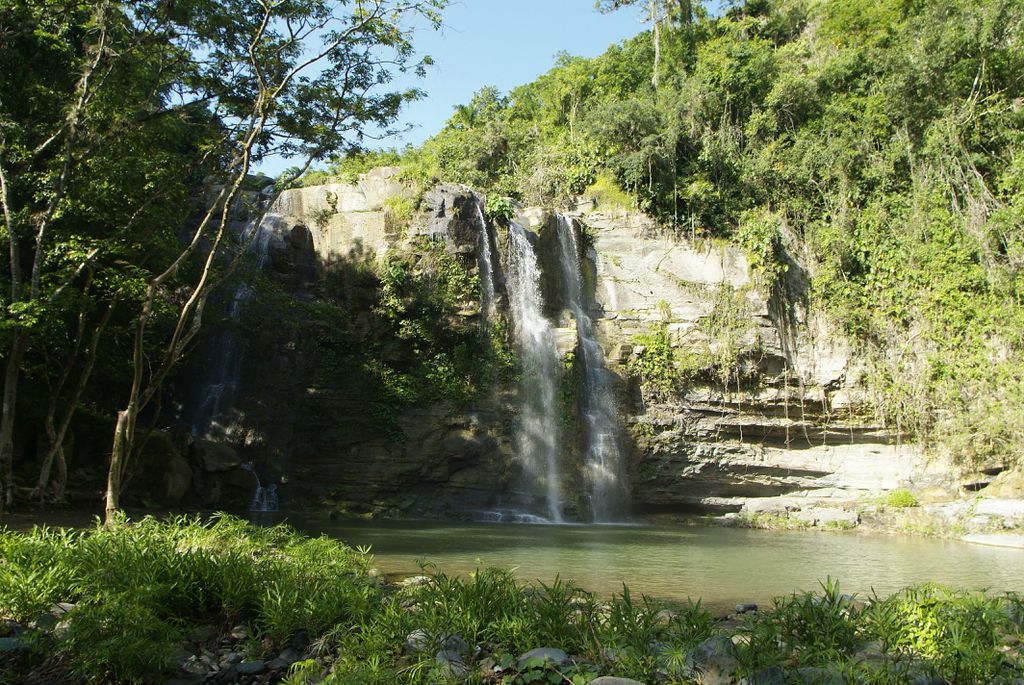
(720, 565)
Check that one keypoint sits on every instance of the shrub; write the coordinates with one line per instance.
(901, 499)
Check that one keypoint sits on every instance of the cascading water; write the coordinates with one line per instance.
(537, 438)
(265, 497)
(220, 387)
(603, 460)
(486, 268)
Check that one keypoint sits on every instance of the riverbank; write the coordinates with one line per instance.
(974, 518)
(228, 602)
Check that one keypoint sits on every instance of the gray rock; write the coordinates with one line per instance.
(773, 675)
(277, 664)
(180, 654)
(231, 659)
(611, 680)
(195, 666)
(61, 608)
(203, 633)
(815, 676)
(415, 581)
(452, 664)
(254, 667)
(555, 656)
(714, 660)
(419, 640)
(215, 457)
(1004, 508)
(45, 622)
(747, 608)
(12, 645)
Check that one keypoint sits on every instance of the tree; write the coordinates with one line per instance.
(657, 12)
(84, 164)
(297, 78)
(109, 114)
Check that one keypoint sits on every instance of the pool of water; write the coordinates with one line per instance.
(722, 566)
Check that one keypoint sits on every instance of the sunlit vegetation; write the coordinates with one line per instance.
(877, 143)
(132, 592)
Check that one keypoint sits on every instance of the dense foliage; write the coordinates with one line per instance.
(127, 136)
(878, 144)
(138, 589)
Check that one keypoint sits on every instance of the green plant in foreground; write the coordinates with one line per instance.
(140, 586)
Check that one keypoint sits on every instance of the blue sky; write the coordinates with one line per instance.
(506, 43)
(503, 43)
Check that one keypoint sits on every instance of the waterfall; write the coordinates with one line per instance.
(264, 498)
(538, 435)
(219, 389)
(486, 268)
(603, 449)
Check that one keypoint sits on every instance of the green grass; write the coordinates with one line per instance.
(140, 587)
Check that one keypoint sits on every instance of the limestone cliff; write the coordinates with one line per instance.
(730, 399)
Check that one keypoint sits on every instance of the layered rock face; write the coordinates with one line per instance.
(755, 404)
(783, 428)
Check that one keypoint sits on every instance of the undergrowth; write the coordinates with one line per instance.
(138, 587)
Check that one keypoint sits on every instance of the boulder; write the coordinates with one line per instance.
(420, 640)
(216, 457)
(557, 657)
(451, 664)
(161, 473)
(713, 661)
(254, 667)
(1007, 485)
(12, 645)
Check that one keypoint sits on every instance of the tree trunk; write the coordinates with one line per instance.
(11, 377)
(657, 52)
(118, 461)
(657, 48)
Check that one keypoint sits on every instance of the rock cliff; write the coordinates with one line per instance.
(731, 400)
